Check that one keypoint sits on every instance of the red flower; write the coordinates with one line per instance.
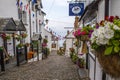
(111, 18)
(117, 17)
(107, 18)
(3, 35)
(102, 23)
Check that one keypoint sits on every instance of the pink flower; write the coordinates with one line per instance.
(79, 32)
(83, 33)
(44, 44)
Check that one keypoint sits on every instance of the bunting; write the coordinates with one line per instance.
(27, 6)
(21, 5)
(59, 37)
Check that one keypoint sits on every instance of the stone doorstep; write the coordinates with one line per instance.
(83, 73)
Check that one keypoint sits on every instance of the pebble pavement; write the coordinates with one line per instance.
(55, 67)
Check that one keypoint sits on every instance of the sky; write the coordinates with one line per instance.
(57, 12)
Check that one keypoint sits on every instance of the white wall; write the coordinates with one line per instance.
(46, 33)
(114, 7)
(69, 43)
(101, 11)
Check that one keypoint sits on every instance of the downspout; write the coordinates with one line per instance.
(106, 8)
(30, 20)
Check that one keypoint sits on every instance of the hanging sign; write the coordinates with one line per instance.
(76, 9)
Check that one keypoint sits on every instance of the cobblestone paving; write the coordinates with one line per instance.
(55, 67)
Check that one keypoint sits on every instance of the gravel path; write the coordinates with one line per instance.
(55, 67)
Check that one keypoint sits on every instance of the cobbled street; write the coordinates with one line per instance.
(55, 67)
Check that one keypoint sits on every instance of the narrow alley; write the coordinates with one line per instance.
(55, 67)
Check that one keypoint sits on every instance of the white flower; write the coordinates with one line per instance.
(108, 24)
(100, 30)
(109, 33)
(116, 27)
(103, 41)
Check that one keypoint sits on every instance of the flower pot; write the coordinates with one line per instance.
(109, 63)
(84, 38)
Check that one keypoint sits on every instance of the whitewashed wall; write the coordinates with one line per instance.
(114, 7)
(101, 11)
(95, 71)
(8, 8)
(46, 33)
(69, 43)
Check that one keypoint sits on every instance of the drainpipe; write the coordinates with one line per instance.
(36, 21)
(106, 8)
(30, 20)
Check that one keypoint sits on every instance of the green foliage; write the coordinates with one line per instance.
(45, 41)
(108, 50)
(74, 57)
(81, 62)
(116, 49)
(87, 28)
(20, 45)
(112, 44)
(94, 46)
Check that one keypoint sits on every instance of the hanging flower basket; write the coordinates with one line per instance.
(110, 63)
(83, 33)
(106, 41)
(45, 41)
(5, 36)
(84, 38)
(24, 35)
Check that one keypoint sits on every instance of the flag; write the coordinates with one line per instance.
(17, 3)
(33, 15)
(29, 11)
(21, 4)
(34, 1)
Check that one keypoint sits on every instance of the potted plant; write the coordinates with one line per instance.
(45, 41)
(5, 36)
(81, 62)
(105, 40)
(17, 37)
(20, 45)
(24, 35)
(74, 58)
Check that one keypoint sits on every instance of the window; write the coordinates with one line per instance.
(46, 37)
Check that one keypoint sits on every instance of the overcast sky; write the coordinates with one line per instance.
(57, 13)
